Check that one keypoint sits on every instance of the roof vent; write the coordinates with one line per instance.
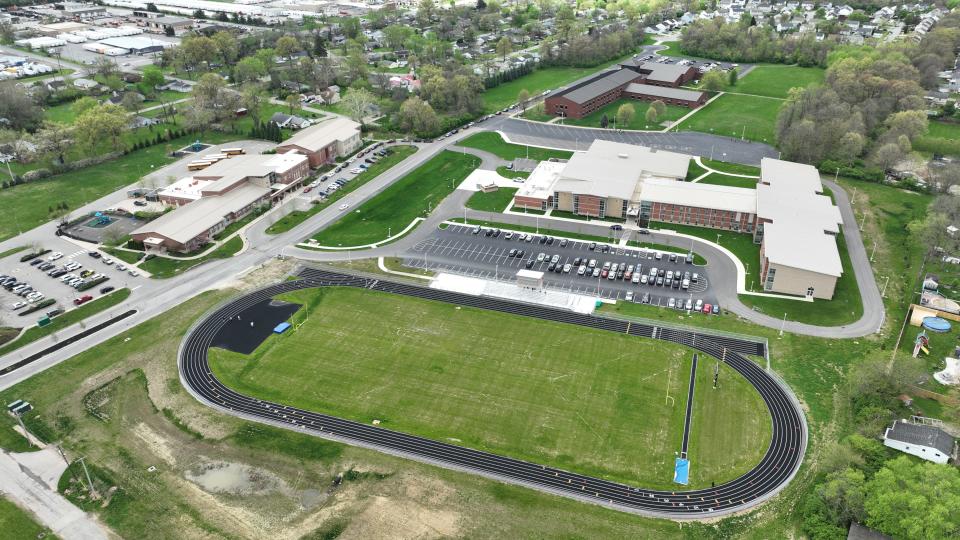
(622, 156)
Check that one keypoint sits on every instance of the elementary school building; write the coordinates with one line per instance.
(787, 214)
(646, 81)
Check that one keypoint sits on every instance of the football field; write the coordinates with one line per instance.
(590, 401)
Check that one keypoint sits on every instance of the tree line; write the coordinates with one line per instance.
(743, 41)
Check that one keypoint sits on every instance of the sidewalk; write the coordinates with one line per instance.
(30, 480)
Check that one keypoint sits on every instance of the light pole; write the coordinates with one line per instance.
(782, 324)
(874, 251)
(718, 240)
(883, 292)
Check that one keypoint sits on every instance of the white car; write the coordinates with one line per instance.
(107, 261)
(121, 267)
(18, 305)
(628, 297)
(35, 297)
(343, 207)
(54, 256)
(356, 171)
(134, 273)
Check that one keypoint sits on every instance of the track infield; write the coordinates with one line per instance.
(586, 400)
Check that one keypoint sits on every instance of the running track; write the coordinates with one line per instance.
(774, 471)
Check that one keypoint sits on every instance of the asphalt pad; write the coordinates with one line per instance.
(246, 331)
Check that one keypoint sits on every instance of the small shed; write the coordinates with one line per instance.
(530, 279)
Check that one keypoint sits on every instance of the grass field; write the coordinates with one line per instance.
(29, 204)
(589, 399)
(536, 83)
(776, 81)
(129, 257)
(733, 115)
(511, 173)
(492, 142)
(733, 168)
(163, 267)
(495, 201)
(720, 179)
(62, 321)
(17, 524)
(694, 170)
(397, 206)
(291, 220)
(639, 120)
(672, 49)
(944, 130)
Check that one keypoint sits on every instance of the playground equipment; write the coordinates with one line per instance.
(196, 146)
(921, 343)
(101, 218)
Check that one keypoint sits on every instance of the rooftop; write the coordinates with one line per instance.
(612, 169)
(790, 196)
(919, 434)
(197, 217)
(656, 71)
(319, 136)
(186, 188)
(599, 85)
(733, 199)
(539, 185)
(663, 91)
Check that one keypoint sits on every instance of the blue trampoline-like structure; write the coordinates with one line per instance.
(681, 471)
(281, 328)
(936, 324)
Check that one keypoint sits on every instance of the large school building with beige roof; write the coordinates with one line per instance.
(788, 215)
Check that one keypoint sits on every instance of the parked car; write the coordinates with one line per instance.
(94, 254)
(105, 290)
(82, 300)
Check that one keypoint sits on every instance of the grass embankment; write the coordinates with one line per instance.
(397, 206)
(66, 319)
(753, 118)
(536, 83)
(129, 257)
(512, 173)
(777, 80)
(496, 201)
(672, 49)
(31, 204)
(732, 168)
(164, 267)
(720, 179)
(18, 524)
(694, 171)
(492, 142)
(637, 122)
(444, 372)
(291, 220)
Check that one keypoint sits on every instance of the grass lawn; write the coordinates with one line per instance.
(720, 179)
(163, 267)
(694, 170)
(492, 142)
(639, 120)
(129, 257)
(532, 114)
(944, 130)
(11, 251)
(397, 206)
(495, 201)
(29, 204)
(776, 80)
(511, 173)
(672, 49)
(536, 83)
(733, 115)
(291, 220)
(733, 168)
(18, 524)
(409, 366)
(60, 113)
(60, 322)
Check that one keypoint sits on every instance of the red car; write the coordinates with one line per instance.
(707, 308)
(82, 300)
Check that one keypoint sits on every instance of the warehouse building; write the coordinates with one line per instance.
(221, 194)
(325, 142)
(646, 81)
(795, 224)
(137, 44)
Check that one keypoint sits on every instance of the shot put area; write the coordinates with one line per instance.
(497, 388)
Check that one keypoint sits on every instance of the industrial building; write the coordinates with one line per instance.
(212, 199)
(795, 224)
(645, 81)
(159, 23)
(924, 441)
(324, 142)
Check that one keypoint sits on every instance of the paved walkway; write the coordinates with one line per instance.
(30, 480)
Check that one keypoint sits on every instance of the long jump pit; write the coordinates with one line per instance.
(245, 332)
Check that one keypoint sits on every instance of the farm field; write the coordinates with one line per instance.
(638, 122)
(577, 398)
(734, 115)
(776, 80)
(397, 206)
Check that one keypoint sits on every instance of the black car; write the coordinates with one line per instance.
(644, 231)
(549, 240)
(94, 254)
(592, 246)
(496, 233)
(520, 254)
(36, 262)
(529, 263)
(543, 239)
(552, 267)
(616, 227)
(606, 248)
(105, 290)
(489, 232)
(576, 261)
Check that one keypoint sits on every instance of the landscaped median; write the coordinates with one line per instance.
(291, 220)
(166, 267)
(396, 207)
(64, 320)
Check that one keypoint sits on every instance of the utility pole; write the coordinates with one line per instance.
(24, 428)
(883, 293)
(93, 492)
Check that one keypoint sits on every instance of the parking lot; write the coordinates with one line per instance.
(345, 172)
(52, 287)
(457, 249)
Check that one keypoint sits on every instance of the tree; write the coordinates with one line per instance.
(732, 77)
(286, 46)
(356, 103)
(132, 101)
(103, 123)
(196, 51)
(659, 106)
(910, 499)
(227, 46)
(931, 232)
(625, 114)
(604, 121)
(844, 492)
(651, 115)
(152, 78)
(713, 81)
(83, 105)
(504, 47)
(54, 139)
(523, 97)
(249, 69)
(887, 155)
(425, 11)
(418, 116)
(18, 108)
(396, 35)
(293, 103)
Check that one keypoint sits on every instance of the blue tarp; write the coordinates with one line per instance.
(281, 328)
(681, 471)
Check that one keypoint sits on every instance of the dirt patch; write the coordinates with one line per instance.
(270, 272)
(234, 478)
(155, 442)
(387, 518)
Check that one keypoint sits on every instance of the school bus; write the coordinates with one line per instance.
(198, 165)
(232, 151)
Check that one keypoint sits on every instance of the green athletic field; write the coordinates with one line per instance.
(577, 398)
(777, 80)
(733, 115)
